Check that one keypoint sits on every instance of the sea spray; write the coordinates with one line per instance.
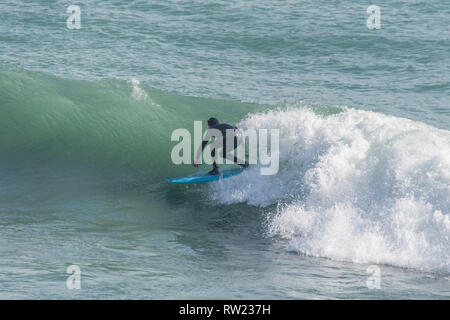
(357, 186)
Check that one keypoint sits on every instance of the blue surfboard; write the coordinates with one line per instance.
(204, 177)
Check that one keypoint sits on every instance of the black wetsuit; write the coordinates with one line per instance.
(223, 127)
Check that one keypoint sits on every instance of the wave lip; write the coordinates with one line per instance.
(357, 185)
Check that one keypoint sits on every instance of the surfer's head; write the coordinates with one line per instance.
(212, 122)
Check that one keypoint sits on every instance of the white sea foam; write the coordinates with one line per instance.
(138, 93)
(357, 185)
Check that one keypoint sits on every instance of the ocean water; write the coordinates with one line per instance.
(86, 117)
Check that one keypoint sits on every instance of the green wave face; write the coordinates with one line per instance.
(106, 124)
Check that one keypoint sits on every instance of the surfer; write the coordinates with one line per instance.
(215, 127)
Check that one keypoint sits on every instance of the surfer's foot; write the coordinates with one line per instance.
(214, 171)
(243, 166)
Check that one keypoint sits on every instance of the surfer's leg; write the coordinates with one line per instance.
(229, 154)
(215, 169)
